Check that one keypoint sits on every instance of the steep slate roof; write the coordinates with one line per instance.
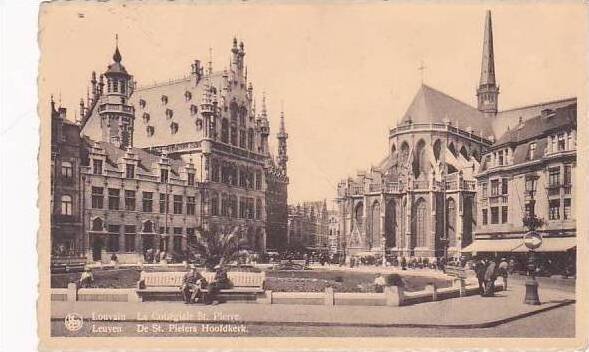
(179, 106)
(430, 105)
(509, 119)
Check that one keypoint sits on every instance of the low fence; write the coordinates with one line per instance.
(391, 295)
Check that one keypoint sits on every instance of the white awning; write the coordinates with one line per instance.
(516, 245)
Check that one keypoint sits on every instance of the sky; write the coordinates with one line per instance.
(344, 72)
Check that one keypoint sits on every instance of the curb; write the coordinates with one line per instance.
(488, 324)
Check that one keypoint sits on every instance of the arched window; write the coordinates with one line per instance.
(234, 136)
(66, 169)
(148, 226)
(250, 139)
(419, 159)
(390, 221)
(359, 216)
(375, 227)
(393, 149)
(214, 204)
(452, 149)
(97, 224)
(419, 222)
(242, 139)
(464, 153)
(233, 109)
(437, 149)
(404, 152)
(174, 127)
(451, 221)
(258, 208)
(66, 205)
(224, 131)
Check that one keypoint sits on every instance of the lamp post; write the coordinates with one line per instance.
(532, 240)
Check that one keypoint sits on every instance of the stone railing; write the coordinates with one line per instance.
(437, 127)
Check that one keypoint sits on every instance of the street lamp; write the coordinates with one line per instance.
(532, 240)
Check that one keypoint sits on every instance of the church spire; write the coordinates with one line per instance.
(488, 91)
(282, 136)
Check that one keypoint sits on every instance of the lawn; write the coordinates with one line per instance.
(278, 281)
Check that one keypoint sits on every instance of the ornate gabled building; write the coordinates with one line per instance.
(308, 225)
(197, 139)
(421, 199)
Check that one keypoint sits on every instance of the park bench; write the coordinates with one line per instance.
(456, 271)
(157, 285)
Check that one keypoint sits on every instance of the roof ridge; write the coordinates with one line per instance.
(449, 96)
(539, 104)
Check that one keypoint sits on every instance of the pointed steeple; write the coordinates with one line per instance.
(488, 91)
(117, 55)
(282, 136)
(488, 64)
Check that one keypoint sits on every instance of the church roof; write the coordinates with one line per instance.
(432, 106)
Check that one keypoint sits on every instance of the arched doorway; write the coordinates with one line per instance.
(390, 221)
(97, 246)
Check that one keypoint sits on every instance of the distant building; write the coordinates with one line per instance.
(308, 225)
(168, 158)
(66, 210)
(421, 200)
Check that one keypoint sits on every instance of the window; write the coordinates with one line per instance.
(554, 177)
(554, 209)
(567, 174)
(174, 128)
(258, 208)
(566, 213)
(164, 99)
(234, 136)
(130, 231)
(484, 192)
(150, 131)
(142, 103)
(178, 204)
(532, 151)
(250, 139)
(494, 187)
(215, 171)
(500, 160)
(214, 205)
(130, 200)
(504, 186)
(530, 185)
(177, 243)
(163, 203)
(66, 169)
(147, 202)
(485, 216)
(258, 180)
(224, 131)
(190, 205)
(164, 176)
(97, 166)
(528, 209)
(494, 215)
(190, 179)
(193, 109)
(177, 230)
(112, 241)
(130, 169)
(242, 209)
(242, 141)
(113, 199)
(187, 95)
(97, 197)
(561, 142)
(66, 205)
(504, 214)
(97, 225)
(570, 145)
(148, 227)
(115, 85)
(242, 178)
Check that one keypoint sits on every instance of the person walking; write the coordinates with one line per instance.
(490, 277)
(479, 269)
(502, 271)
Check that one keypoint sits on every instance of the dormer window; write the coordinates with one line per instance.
(146, 117)
(130, 170)
(164, 99)
(198, 124)
(193, 109)
(163, 175)
(532, 151)
(187, 95)
(142, 103)
(174, 127)
(169, 113)
(150, 131)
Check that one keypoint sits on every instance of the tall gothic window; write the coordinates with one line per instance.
(451, 221)
(224, 131)
(375, 224)
(419, 238)
(359, 216)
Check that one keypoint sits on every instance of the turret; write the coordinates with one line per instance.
(264, 126)
(282, 136)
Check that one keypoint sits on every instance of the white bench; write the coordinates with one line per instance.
(170, 282)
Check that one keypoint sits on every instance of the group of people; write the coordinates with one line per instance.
(196, 289)
(487, 271)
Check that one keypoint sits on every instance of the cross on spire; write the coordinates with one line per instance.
(421, 69)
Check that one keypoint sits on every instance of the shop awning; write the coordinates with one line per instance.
(516, 245)
(499, 245)
(552, 244)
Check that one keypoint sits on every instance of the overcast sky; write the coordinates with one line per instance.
(346, 73)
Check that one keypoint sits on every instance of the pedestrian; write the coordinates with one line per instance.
(87, 279)
(490, 277)
(479, 269)
(192, 285)
(502, 271)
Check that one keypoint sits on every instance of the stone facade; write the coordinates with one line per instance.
(308, 225)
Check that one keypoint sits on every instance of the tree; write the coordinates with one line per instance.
(215, 247)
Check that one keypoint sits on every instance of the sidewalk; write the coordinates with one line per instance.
(466, 312)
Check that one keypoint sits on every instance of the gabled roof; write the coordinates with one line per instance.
(432, 106)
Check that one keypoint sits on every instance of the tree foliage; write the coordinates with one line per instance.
(215, 247)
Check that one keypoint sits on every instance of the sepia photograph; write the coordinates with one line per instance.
(319, 175)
